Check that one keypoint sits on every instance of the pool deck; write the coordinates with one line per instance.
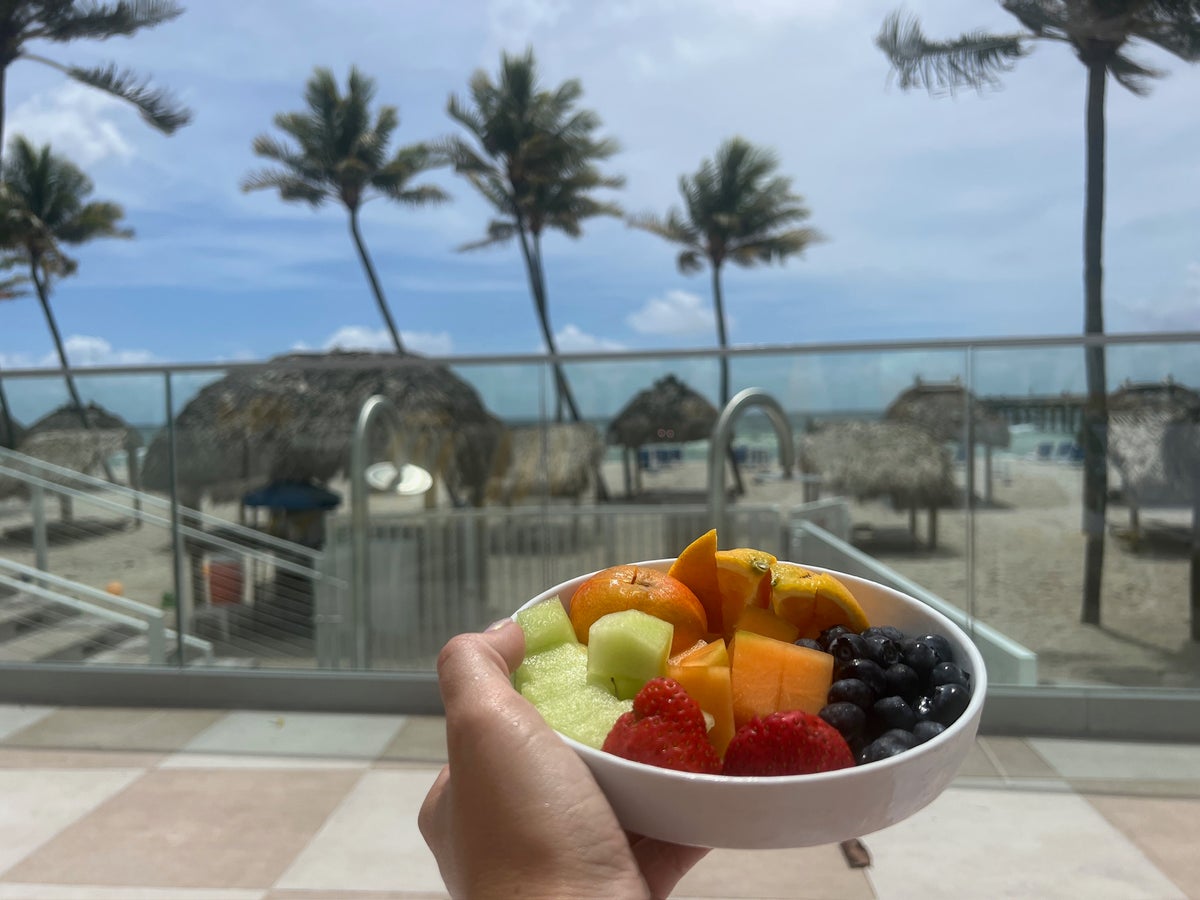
(145, 804)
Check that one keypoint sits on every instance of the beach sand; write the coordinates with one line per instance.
(1028, 563)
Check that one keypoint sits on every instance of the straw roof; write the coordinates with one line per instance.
(667, 412)
(555, 460)
(1152, 440)
(880, 459)
(59, 438)
(293, 418)
(938, 408)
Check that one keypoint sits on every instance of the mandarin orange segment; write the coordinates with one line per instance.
(744, 577)
(813, 601)
(696, 567)
(766, 623)
(637, 587)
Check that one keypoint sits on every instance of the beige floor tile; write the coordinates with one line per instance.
(192, 828)
(978, 764)
(86, 892)
(115, 729)
(420, 739)
(1119, 759)
(274, 739)
(978, 843)
(36, 804)
(1165, 829)
(1016, 759)
(354, 895)
(14, 718)
(1133, 787)
(809, 873)
(371, 842)
(52, 758)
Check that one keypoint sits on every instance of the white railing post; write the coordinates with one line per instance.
(156, 641)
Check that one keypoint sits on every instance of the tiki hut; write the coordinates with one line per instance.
(551, 460)
(293, 419)
(60, 439)
(940, 410)
(667, 412)
(1141, 418)
(891, 460)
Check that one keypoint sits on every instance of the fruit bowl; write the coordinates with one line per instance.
(794, 810)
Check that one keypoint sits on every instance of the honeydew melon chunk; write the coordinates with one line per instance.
(586, 714)
(560, 669)
(546, 625)
(626, 649)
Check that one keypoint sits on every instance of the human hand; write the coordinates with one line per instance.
(516, 813)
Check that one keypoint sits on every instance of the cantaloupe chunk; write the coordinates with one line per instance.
(714, 653)
(766, 623)
(770, 676)
(711, 687)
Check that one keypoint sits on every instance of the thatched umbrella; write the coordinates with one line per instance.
(293, 418)
(60, 439)
(667, 412)
(895, 460)
(555, 460)
(939, 408)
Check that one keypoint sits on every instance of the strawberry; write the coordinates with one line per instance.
(786, 743)
(665, 729)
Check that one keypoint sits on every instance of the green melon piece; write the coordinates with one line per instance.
(626, 649)
(586, 714)
(546, 625)
(557, 669)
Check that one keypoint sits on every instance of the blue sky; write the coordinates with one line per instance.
(946, 217)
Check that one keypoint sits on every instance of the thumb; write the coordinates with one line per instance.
(480, 663)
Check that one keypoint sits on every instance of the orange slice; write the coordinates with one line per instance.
(744, 577)
(696, 567)
(813, 601)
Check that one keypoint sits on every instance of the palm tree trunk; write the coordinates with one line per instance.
(369, 268)
(533, 263)
(723, 343)
(6, 421)
(1095, 414)
(68, 377)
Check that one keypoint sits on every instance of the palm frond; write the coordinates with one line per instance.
(291, 187)
(976, 59)
(157, 106)
(689, 262)
(498, 232)
(1172, 25)
(1132, 75)
(92, 221)
(104, 20)
(774, 248)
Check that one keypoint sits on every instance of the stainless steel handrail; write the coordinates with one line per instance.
(719, 443)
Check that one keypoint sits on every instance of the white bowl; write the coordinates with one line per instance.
(795, 810)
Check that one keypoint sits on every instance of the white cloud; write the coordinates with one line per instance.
(359, 337)
(88, 350)
(1177, 310)
(572, 339)
(675, 314)
(75, 120)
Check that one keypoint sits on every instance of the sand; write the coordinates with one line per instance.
(1028, 555)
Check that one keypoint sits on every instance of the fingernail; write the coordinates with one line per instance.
(500, 623)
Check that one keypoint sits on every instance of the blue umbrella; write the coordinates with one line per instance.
(292, 496)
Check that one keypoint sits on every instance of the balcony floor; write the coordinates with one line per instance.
(136, 804)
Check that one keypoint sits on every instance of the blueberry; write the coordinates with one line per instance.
(846, 647)
(919, 655)
(893, 712)
(887, 631)
(923, 708)
(848, 718)
(901, 680)
(882, 649)
(923, 731)
(948, 673)
(852, 690)
(809, 643)
(863, 670)
(827, 636)
(948, 701)
(941, 646)
(888, 744)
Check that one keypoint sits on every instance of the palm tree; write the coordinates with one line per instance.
(1099, 33)
(62, 21)
(534, 160)
(339, 154)
(43, 207)
(736, 209)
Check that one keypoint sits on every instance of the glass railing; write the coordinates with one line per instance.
(224, 501)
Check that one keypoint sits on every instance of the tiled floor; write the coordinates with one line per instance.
(130, 804)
